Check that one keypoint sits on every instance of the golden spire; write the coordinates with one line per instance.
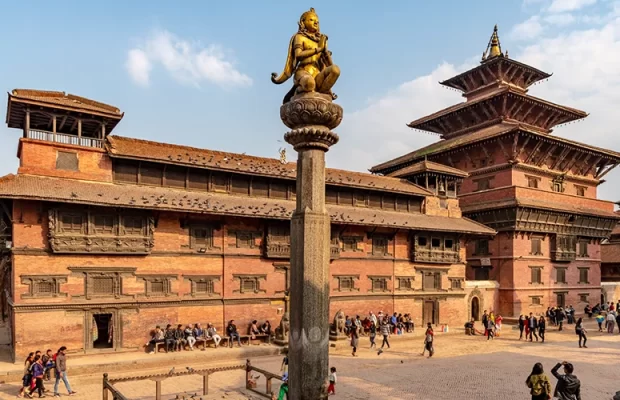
(494, 48)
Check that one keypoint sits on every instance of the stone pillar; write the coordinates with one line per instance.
(311, 117)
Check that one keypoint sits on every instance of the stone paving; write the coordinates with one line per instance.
(463, 367)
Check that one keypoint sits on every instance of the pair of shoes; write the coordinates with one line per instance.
(585, 347)
(56, 394)
(152, 352)
(72, 393)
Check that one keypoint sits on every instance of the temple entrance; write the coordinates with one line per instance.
(603, 301)
(102, 331)
(429, 312)
(475, 309)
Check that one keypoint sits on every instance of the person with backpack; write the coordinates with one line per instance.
(538, 382)
(428, 340)
(580, 331)
(26, 378)
(568, 386)
(37, 375)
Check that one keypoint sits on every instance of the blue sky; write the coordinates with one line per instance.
(198, 73)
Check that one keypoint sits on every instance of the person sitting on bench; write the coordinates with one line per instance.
(211, 333)
(157, 337)
(266, 329)
(179, 338)
(254, 330)
(231, 331)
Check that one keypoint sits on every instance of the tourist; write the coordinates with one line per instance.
(157, 337)
(61, 372)
(212, 334)
(570, 313)
(37, 375)
(498, 325)
(542, 325)
(550, 315)
(169, 338)
(373, 334)
(568, 386)
(394, 323)
(538, 382)
(559, 317)
(284, 366)
(354, 339)
(599, 320)
(532, 325)
(179, 337)
(522, 327)
(485, 320)
(380, 317)
(618, 320)
(588, 310)
(373, 318)
(48, 363)
(358, 325)
(231, 331)
(199, 333)
(409, 323)
(580, 330)
(596, 309)
(331, 389)
(611, 321)
(189, 336)
(26, 378)
(266, 329)
(254, 329)
(385, 331)
(283, 394)
(347, 324)
(490, 329)
(428, 340)
(618, 306)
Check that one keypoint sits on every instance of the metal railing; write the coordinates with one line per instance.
(64, 138)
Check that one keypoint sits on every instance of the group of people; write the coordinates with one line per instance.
(557, 316)
(567, 388)
(175, 339)
(399, 323)
(38, 367)
(534, 327)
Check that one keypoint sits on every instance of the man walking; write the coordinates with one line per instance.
(568, 386)
(61, 372)
(559, 317)
(533, 324)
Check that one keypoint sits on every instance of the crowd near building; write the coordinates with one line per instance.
(104, 237)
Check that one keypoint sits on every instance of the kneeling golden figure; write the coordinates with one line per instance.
(308, 60)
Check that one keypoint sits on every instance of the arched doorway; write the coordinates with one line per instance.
(475, 309)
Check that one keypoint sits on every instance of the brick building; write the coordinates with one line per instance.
(610, 266)
(103, 237)
(538, 190)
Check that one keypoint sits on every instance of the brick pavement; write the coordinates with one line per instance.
(464, 367)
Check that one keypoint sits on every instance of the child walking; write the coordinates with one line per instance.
(332, 381)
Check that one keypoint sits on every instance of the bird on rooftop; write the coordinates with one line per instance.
(171, 371)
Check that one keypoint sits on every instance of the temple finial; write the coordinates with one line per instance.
(494, 48)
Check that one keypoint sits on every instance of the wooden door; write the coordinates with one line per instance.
(475, 309)
(429, 312)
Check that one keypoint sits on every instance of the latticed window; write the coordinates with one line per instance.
(44, 288)
(379, 285)
(405, 283)
(249, 285)
(104, 224)
(245, 240)
(103, 285)
(536, 274)
(201, 237)
(72, 223)
(279, 234)
(482, 247)
(374, 200)
(205, 287)
(350, 243)
(151, 174)
(133, 225)
(484, 184)
(379, 245)
(158, 287)
(456, 283)
(346, 283)
(240, 185)
(536, 300)
(126, 171)
(198, 179)
(360, 199)
(67, 161)
(219, 182)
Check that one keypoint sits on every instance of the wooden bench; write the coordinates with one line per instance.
(158, 345)
(209, 341)
(260, 337)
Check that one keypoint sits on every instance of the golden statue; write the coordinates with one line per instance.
(308, 60)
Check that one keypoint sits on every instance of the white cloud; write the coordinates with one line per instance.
(187, 62)
(528, 29)
(558, 6)
(560, 19)
(584, 63)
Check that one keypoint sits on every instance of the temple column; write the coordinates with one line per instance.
(311, 117)
(27, 122)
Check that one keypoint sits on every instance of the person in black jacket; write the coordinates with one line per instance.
(559, 317)
(169, 338)
(522, 322)
(542, 325)
(568, 386)
(231, 331)
(533, 324)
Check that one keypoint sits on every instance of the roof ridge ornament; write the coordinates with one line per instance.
(494, 48)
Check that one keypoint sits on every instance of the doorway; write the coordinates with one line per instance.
(429, 312)
(103, 331)
(561, 299)
(475, 309)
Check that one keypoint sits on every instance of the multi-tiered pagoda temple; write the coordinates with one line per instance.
(538, 190)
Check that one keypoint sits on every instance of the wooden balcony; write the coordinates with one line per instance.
(65, 139)
(278, 250)
(435, 256)
(563, 255)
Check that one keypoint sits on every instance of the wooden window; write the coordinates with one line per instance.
(580, 190)
(422, 241)
(456, 283)
(401, 204)
(175, 176)
(583, 275)
(249, 283)
(360, 199)
(435, 243)
(279, 234)
(448, 244)
(560, 275)
(431, 281)
(347, 283)
(380, 245)
(240, 185)
(43, 286)
(536, 246)
(389, 202)
(331, 196)
(536, 275)
(133, 225)
(557, 186)
(374, 200)
(198, 179)
(219, 182)
(405, 283)
(151, 174)
(583, 297)
(278, 190)
(583, 248)
(244, 239)
(536, 300)
(205, 287)
(482, 273)
(483, 184)
(67, 161)
(346, 197)
(532, 181)
(72, 223)
(379, 283)
(260, 187)
(482, 247)
(158, 287)
(104, 224)
(103, 286)
(415, 205)
(350, 243)
(201, 238)
(126, 171)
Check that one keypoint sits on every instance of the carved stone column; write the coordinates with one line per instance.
(311, 117)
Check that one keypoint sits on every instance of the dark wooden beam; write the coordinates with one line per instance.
(606, 171)
(476, 116)
(471, 80)
(62, 122)
(483, 76)
(528, 112)
(505, 73)
(73, 125)
(515, 143)
(548, 153)
(491, 73)
(450, 162)
(527, 139)
(467, 156)
(513, 75)
(6, 210)
(485, 151)
(442, 126)
(518, 109)
(592, 166)
(504, 104)
(584, 163)
(485, 111)
(463, 123)
(534, 152)
(561, 158)
(521, 76)
(546, 123)
(569, 164)
(500, 142)
(540, 114)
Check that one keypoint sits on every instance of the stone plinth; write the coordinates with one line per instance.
(311, 118)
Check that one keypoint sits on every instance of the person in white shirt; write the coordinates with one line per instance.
(212, 334)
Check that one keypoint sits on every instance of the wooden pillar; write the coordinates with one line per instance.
(54, 127)
(205, 383)
(27, 122)
(105, 388)
(157, 390)
(103, 131)
(79, 131)
(268, 388)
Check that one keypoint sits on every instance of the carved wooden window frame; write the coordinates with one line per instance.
(536, 300)
(352, 242)
(536, 274)
(375, 251)
(483, 183)
(557, 275)
(93, 230)
(255, 279)
(381, 280)
(61, 226)
(194, 280)
(587, 275)
(242, 237)
(272, 234)
(408, 283)
(150, 279)
(193, 239)
(580, 243)
(536, 250)
(437, 277)
(480, 250)
(457, 283)
(533, 182)
(583, 297)
(348, 278)
(33, 280)
(91, 273)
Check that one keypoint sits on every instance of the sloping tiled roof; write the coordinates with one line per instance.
(124, 147)
(534, 203)
(428, 166)
(158, 198)
(64, 100)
